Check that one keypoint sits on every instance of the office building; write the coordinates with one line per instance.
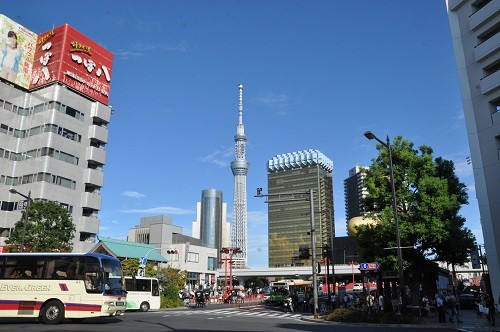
(289, 220)
(354, 192)
(54, 115)
(240, 167)
(210, 225)
(184, 253)
(475, 29)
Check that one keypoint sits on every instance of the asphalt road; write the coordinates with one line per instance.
(212, 318)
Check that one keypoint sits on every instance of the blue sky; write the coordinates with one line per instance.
(316, 74)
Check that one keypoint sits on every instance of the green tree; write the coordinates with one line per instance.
(254, 283)
(172, 282)
(131, 266)
(429, 197)
(49, 228)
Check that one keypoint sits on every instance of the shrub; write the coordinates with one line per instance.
(360, 316)
(347, 316)
(170, 297)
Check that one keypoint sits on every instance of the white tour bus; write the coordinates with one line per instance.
(54, 286)
(143, 293)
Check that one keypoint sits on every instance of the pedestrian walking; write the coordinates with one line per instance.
(441, 308)
(453, 306)
(479, 311)
(490, 305)
(380, 303)
(426, 306)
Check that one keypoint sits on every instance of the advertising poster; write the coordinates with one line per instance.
(63, 54)
(17, 50)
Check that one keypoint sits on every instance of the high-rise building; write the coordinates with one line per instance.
(475, 29)
(289, 220)
(54, 115)
(210, 225)
(239, 167)
(354, 192)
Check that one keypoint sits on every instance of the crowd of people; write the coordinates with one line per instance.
(448, 307)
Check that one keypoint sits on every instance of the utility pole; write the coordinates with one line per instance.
(301, 196)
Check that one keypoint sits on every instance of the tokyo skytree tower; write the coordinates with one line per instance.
(240, 169)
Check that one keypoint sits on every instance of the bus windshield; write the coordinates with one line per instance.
(113, 277)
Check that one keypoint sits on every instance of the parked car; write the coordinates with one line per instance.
(357, 287)
(467, 301)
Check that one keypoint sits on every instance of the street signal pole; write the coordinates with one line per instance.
(301, 196)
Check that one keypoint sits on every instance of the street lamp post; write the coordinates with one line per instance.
(368, 134)
(25, 221)
(142, 268)
(332, 255)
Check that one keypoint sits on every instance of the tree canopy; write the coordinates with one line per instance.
(49, 228)
(429, 197)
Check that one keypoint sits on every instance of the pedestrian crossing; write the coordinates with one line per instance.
(234, 312)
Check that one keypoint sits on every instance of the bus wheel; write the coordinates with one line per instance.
(144, 307)
(52, 312)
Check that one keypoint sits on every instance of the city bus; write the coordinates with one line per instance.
(143, 293)
(280, 290)
(55, 286)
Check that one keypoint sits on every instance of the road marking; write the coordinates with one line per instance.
(223, 313)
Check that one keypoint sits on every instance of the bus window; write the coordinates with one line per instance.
(156, 288)
(143, 285)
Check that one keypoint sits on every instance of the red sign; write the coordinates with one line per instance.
(63, 54)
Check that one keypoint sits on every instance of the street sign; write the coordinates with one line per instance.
(142, 261)
(368, 266)
(22, 205)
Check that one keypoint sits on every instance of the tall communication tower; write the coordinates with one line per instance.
(240, 169)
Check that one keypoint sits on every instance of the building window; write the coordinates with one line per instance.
(495, 106)
(193, 257)
(212, 263)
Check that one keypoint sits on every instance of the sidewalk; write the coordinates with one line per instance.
(468, 317)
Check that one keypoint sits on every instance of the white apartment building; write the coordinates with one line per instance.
(475, 29)
(52, 145)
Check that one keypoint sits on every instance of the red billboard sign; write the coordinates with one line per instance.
(63, 54)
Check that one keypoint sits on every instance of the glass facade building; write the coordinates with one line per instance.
(289, 220)
(211, 219)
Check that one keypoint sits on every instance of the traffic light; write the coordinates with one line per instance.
(304, 252)
(172, 252)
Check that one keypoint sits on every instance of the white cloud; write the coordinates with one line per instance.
(125, 55)
(273, 100)
(133, 194)
(220, 157)
(463, 169)
(161, 210)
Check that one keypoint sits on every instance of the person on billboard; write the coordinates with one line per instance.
(10, 55)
